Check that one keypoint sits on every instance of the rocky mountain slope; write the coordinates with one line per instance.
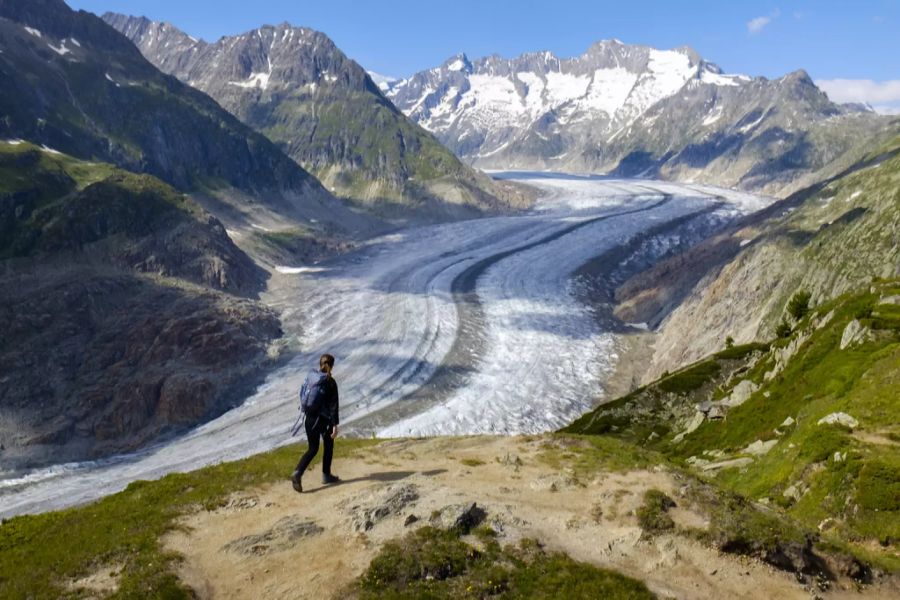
(635, 111)
(127, 310)
(296, 87)
(826, 240)
(74, 84)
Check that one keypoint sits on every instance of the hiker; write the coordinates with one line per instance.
(321, 421)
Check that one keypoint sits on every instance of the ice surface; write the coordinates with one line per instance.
(530, 359)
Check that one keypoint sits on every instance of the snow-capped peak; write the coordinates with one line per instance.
(460, 62)
(494, 99)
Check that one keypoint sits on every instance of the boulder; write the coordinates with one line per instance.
(381, 504)
(460, 517)
(839, 418)
(855, 333)
(759, 447)
(740, 393)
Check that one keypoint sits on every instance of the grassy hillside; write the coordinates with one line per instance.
(750, 418)
(829, 239)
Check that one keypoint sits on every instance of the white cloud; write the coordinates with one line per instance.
(756, 25)
(883, 96)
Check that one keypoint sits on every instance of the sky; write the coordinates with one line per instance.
(850, 48)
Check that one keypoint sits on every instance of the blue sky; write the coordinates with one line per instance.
(851, 46)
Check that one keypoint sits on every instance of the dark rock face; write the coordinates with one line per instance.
(127, 310)
(95, 363)
(75, 84)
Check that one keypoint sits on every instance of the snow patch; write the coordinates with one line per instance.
(260, 79)
(62, 50)
(456, 65)
(714, 116)
(719, 79)
(15, 142)
(609, 89)
(33, 31)
(50, 150)
(750, 126)
(296, 270)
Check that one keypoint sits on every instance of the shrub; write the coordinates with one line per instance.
(691, 378)
(783, 330)
(652, 515)
(879, 486)
(798, 305)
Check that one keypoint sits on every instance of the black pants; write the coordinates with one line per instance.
(316, 427)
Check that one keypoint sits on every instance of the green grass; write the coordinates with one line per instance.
(57, 201)
(39, 554)
(587, 454)
(691, 378)
(740, 352)
(431, 563)
(472, 462)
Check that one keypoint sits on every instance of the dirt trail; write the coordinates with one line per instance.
(274, 543)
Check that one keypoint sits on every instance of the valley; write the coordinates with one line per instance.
(467, 327)
(610, 321)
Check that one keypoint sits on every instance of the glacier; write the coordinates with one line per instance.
(458, 328)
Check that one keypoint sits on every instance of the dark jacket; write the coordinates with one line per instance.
(329, 410)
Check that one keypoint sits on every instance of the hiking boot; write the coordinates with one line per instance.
(330, 479)
(295, 481)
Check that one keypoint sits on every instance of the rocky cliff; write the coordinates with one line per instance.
(127, 311)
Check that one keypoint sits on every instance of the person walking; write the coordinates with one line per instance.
(321, 423)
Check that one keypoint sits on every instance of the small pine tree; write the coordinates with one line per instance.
(798, 305)
(783, 330)
(729, 342)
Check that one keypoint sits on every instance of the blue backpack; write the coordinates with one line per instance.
(312, 395)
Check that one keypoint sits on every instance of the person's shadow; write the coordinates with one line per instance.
(384, 476)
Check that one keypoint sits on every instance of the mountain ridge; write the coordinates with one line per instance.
(294, 85)
(132, 115)
(633, 110)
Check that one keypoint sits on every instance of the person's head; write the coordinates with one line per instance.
(326, 363)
